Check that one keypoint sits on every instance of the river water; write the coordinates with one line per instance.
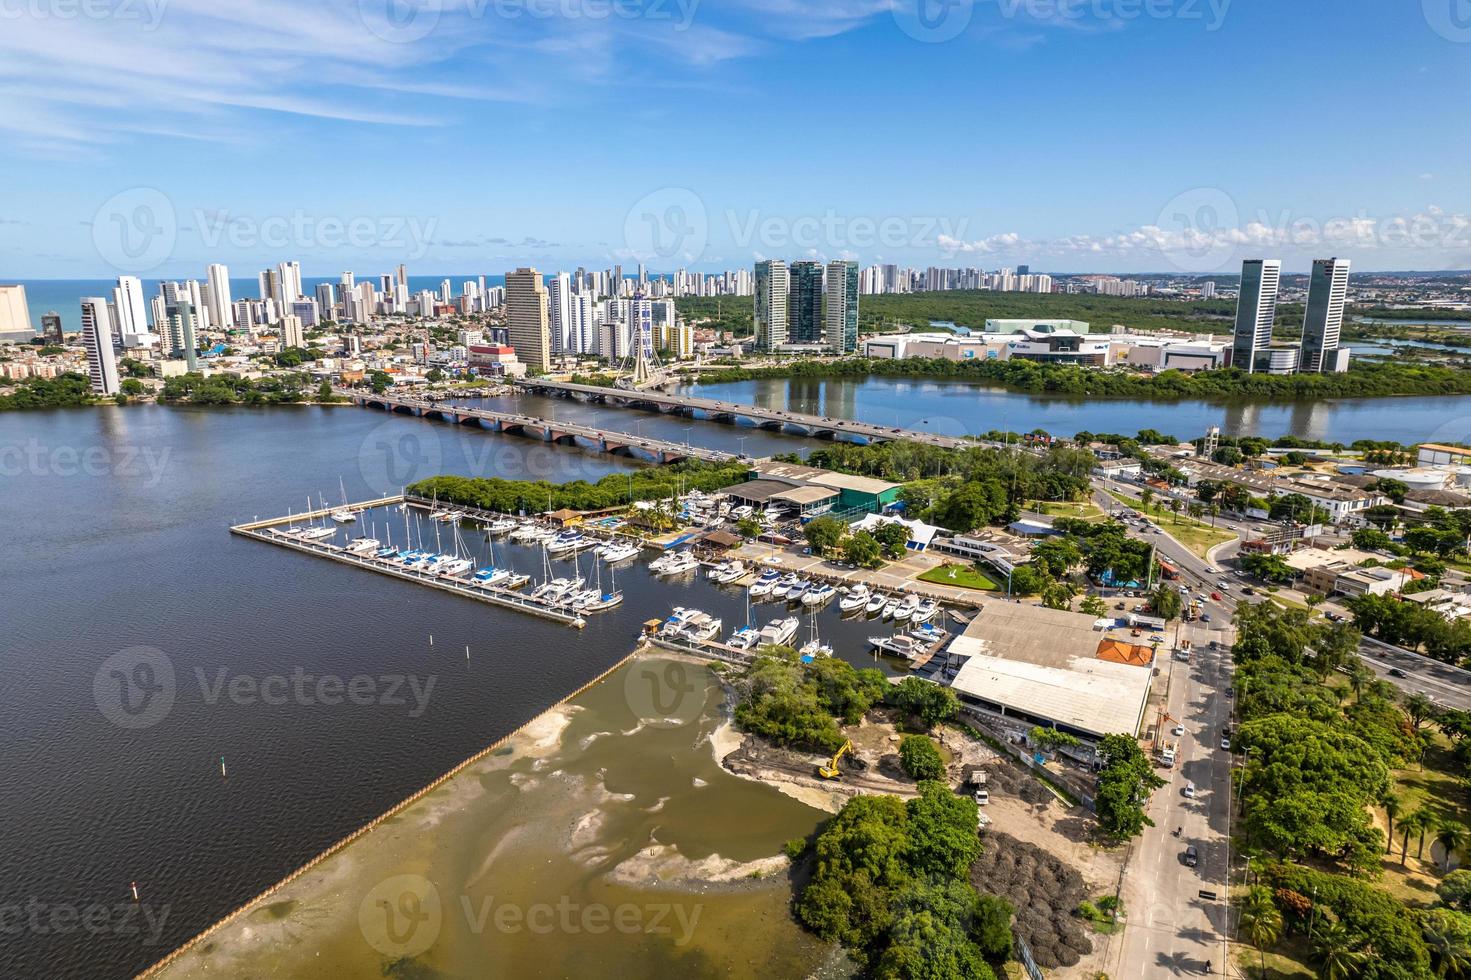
(117, 538)
(957, 408)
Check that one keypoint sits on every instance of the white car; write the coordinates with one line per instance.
(1190, 790)
(1179, 730)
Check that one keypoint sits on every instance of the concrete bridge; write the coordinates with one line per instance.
(563, 433)
(817, 426)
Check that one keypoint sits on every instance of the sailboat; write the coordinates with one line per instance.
(604, 600)
(343, 515)
(814, 647)
(747, 636)
(315, 532)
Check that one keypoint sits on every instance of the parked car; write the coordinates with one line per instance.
(983, 797)
(1179, 730)
(1192, 856)
(1190, 790)
(1225, 743)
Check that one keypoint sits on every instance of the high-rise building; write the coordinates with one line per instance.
(1023, 270)
(326, 300)
(526, 319)
(132, 315)
(403, 277)
(1327, 294)
(292, 334)
(289, 274)
(270, 285)
(15, 314)
(1256, 310)
(772, 284)
(97, 338)
(51, 331)
(841, 326)
(1208, 289)
(804, 303)
(559, 312)
(218, 277)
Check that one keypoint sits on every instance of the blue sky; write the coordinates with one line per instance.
(152, 136)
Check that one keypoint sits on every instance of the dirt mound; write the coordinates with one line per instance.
(1043, 890)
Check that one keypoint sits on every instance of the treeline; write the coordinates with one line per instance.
(225, 389)
(613, 490)
(1318, 760)
(66, 391)
(1365, 380)
(964, 489)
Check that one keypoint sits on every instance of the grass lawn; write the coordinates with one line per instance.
(1197, 536)
(1287, 961)
(1084, 509)
(1431, 786)
(961, 576)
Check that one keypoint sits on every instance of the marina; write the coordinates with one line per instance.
(409, 566)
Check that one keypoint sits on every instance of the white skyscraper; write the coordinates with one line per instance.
(289, 276)
(219, 295)
(583, 330)
(132, 315)
(559, 309)
(201, 308)
(97, 338)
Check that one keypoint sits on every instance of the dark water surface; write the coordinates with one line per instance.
(116, 532)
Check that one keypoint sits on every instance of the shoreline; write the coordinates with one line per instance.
(537, 723)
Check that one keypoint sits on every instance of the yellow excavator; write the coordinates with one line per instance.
(830, 771)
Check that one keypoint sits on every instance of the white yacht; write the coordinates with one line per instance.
(856, 598)
(924, 612)
(568, 542)
(343, 516)
(677, 564)
(779, 631)
(906, 608)
(745, 638)
(765, 583)
(361, 546)
(616, 551)
(503, 526)
(784, 585)
(876, 604)
(491, 576)
(819, 593)
(455, 566)
(730, 573)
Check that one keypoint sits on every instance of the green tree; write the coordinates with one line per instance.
(863, 550)
(1455, 890)
(1094, 606)
(924, 700)
(920, 758)
(824, 534)
(1166, 603)
(1448, 934)
(893, 537)
(1338, 957)
(1451, 835)
(1124, 784)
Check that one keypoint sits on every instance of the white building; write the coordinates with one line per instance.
(218, 277)
(97, 338)
(132, 315)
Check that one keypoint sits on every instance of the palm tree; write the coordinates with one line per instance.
(1176, 506)
(1452, 955)
(1215, 509)
(1392, 806)
(1145, 496)
(1426, 824)
(1339, 960)
(1412, 822)
(1261, 921)
(1451, 835)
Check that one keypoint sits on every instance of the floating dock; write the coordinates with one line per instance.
(268, 531)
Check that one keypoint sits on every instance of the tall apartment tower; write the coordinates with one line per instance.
(218, 277)
(559, 312)
(526, 319)
(804, 303)
(1256, 309)
(772, 285)
(840, 330)
(1327, 293)
(97, 338)
(132, 315)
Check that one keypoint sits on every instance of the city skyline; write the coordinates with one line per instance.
(226, 147)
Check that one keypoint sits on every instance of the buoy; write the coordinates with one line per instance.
(135, 891)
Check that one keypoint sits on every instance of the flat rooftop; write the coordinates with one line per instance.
(1046, 663)
(811, 474)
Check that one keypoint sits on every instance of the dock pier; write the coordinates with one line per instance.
(265, 530)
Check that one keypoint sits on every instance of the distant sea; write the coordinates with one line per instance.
(65, 295)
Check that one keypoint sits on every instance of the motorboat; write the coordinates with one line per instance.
(924, 612)
(556, 589)
(906, 609)
(899, 645)
(778, 632)
(876, 604)
(317, 533)
(745, 638)
(796, 592)
(715, 571)
(742, 512)
(580, 598)
(784, 585)
(343, 516)
(455, 566)
(676, 564)
(763, 585)
(530, 534)
(361, 546)
(516, 581)
(702, 627)
(447, 516)
(491, 576)
(388, 552)
(568, 542)
(856, 598)
(819, 593)
(616, 551)
(732, 571)
(505, 525)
